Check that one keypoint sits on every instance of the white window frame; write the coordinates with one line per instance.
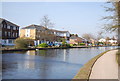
(8, 27)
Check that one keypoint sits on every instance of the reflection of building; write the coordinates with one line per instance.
(31, 52)
(9, 32)
(30, 62)
(40, 34)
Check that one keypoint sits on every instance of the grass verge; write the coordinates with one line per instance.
(118, 57)
(85, 71)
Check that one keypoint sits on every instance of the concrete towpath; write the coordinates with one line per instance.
(105, 67)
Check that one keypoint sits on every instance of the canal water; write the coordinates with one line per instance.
(47, 64)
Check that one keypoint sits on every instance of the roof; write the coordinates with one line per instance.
(58, 31)
(33, 26)
(8, 22)
(75, 37)
(1, 20)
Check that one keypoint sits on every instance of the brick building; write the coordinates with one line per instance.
(40, 34)
(8, 32)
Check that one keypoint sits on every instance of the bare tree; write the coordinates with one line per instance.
(88, 36)
(46, 22)
(113, 17)
(100, 35)
(114, 25)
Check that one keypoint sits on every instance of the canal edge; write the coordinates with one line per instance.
(85, 72)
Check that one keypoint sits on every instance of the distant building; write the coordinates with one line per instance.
(40, 34)
(8, 32)
(102, 40)
(93, 42)
(108, 41)
(61, 34)
(74, 39)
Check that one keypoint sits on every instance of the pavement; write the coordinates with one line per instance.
(106, 67)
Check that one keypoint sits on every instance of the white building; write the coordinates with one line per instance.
(102, 40)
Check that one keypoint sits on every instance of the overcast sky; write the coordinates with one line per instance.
(76, 17)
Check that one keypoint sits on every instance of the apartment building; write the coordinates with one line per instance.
(40, 34)
(74, 39)
(8, 32)
(61, 34)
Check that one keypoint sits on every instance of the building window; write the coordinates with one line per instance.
(4, 41)
(8, 27)
(11, 27)
(14, 28)
(9, 34)
(17, 28)
(13, 34)
(16, 34)
(27, 32)
(10, 41)
(5, 33)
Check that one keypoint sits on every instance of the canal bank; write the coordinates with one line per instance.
(96, 68)
(26, 49)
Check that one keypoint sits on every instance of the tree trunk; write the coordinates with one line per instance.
(119, 23)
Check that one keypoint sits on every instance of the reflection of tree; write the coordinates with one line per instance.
(42, 52)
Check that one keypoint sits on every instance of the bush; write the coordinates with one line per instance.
(82, 44)
(21, 43)
(64, 44)
(43, 45)
(71, 45)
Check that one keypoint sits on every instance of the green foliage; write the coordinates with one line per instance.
(99, 43)
(71, 45)
(118, 57)
(43, 45)
(65, 44)
(21, 43)
(82, 44)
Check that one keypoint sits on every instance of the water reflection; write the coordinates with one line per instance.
(47, 64)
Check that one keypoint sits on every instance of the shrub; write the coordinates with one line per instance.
(82, 44)
(71, 45)
(21, 43)
(43, 45)
(65, 44)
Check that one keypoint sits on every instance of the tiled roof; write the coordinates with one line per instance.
(75, 37)
(8, 22)
(1, 20)
(33, 26)
(59, 31)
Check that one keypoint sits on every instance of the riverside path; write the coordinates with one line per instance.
(106, 67)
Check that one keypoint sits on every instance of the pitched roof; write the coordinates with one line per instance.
(75, 37)
(8, 22)
(33, 26)
(58, 31)
(1, 20)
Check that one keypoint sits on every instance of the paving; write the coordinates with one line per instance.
(106, 67)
